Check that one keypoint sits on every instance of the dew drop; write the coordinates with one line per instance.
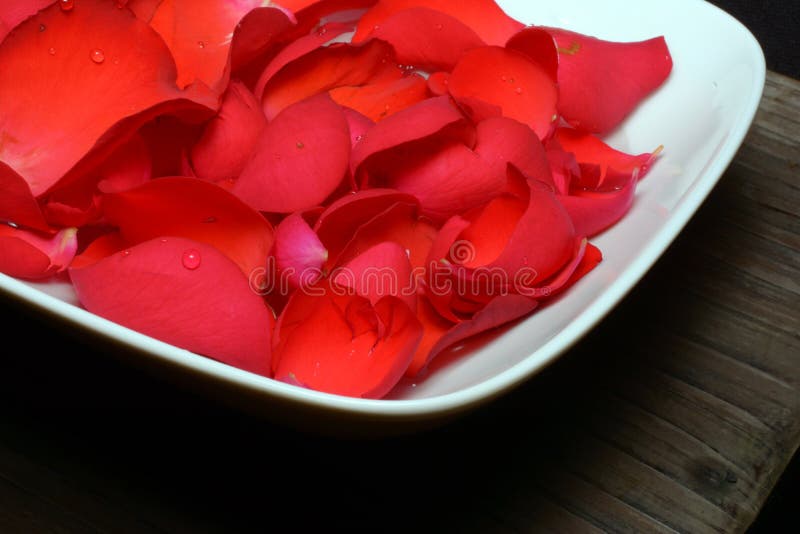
(201, 44)
(518, 90)
(439, 27)
(126, 253)
(42, 27)
(322, 31)
(359, 138)
(66, 5)
(191, 259)
(504, 78)
(300, 145)
(98, 56)
(163, 240)
(52, 51)
(12, 224)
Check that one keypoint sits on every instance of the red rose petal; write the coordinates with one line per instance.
(338, 223)
(588, 149)
(592, 212)
(260, 33)
(127, 168)
(484, 17)
(326, 68)
(380, 100)
(601, 82)
(101, 248)
(298, 252)
(427, 39)
(95, 66)
(229, 139)
(185, 293)
(501, 141)
(508, 80)
(441, 333)
(341, 344)
(30, 255)
(381, 271)
(17, 204)
(358, 124)
(399, 224)
(422, 120)
(540, 46)
(300, 158)
(192, 209)
(13, 12)
(299, 48)
(199, 34)
(438, 82)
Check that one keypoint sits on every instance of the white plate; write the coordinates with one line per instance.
(701, 116)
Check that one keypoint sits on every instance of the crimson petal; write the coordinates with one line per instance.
(95, 66)
(383, 270)
(601, 82)
(490, 78)
(185, 293)
(592, 212)
(427, 39)
(484, 17)
(12, 12)
(344, 345)
(380, 100)
(298, 252)
(193, 209)
(17, 204)
(300, 158)
(25, 254)
(230, 137)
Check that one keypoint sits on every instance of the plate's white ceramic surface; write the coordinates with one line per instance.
(701, 116)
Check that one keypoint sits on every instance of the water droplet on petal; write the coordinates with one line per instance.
(518, 90)
(98, 56)
(42, 27)
(163, 240)
(359, 138)
(12, 224)
(52, 51)
(322, 31)
(300, 145)
(503, 78)
(126, 253)
(191, 259)
(201, 44)
(66, 5)
(439, 27)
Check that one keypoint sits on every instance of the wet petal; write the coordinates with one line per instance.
(538, 45)
(300, 159)
(590, 150)
(17, 204)
(13, 12)
(342, 344)
(427, 39)
(501, 141)
(592, 212)
(298, 252)
(199, 34)
(507, 80)
(380, 100)
(229, 139)
(192, 209)
(601, 82)
(299, 48)
(484, 17)
(185, 293)
(31, 255)
(422, 120)
(339, 222)
(109, 66)
(338, 65)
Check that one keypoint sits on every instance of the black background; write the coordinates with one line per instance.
(66, 404)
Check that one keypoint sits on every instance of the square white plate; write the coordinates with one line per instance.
(701, 116)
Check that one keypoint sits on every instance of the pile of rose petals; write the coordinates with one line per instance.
(327, 193)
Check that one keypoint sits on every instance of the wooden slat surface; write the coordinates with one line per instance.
(678, 414)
